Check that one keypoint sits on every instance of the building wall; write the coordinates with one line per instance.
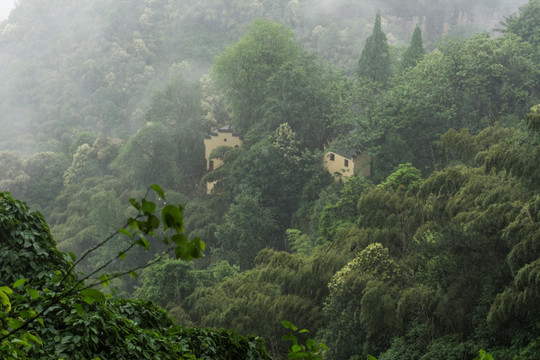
(210, 186)
(216, 140)
(337, 165)
(345, 167)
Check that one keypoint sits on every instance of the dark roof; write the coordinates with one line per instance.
(349, 154)
(223, 129)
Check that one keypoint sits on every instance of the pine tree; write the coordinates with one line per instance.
(374, 62)
(415, 52)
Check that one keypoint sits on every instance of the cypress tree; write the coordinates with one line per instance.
(415, 52)
(374, 62)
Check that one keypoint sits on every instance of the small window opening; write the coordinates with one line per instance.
(225, 140)
(211, 165)
(332, 157)
(346, 163)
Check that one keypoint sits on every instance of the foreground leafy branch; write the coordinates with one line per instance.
(308, 351)
(22, 305)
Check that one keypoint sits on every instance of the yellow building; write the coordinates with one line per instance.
(223, 136)
(347, 163)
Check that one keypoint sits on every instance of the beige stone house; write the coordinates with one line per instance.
(343, 164)
(222, 136)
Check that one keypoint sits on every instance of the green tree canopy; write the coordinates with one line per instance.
(244, 68)
(415, 52)
(80, 322)
(526, 24)
(374, 63)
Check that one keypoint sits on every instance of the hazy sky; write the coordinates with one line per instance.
(5, 8)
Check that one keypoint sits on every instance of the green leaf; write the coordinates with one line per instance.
(6, 290)
(121, 255)
(34, 294)
(4, 301)
(172, 217)
(15, 323)
(125, 232)
(40, 321)
(134, 274)
(296, 348)
(148, 207)
(135, 203)
(153, 221)
(20, 342)
(79, 309)
(143, 242)
(105, 279)
(288, 325)
(181, 253)
(158, 189)
(19, 283)
(483, 356)
(370, 357)
(199, 243)
(34, 338)
(90, 295)
(180, 239)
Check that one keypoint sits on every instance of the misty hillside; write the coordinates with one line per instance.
(68, 66)
(367, 170)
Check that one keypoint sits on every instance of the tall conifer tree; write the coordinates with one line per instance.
(374, 62)
(415, 52)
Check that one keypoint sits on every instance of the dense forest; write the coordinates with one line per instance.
(435, 255)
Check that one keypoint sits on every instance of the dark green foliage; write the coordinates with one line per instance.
(507, 156)
(374, 63)
(243, 70)
(248, 227)
(168, 281)
(269, 81)
(27, 247)
(219, 344)
(449, 347)
(406, 177)
(80, 322)
(310, 351)
(37, 179)
(149, 156)
(342, 213)
(302, 93)
(269, 177)
(361, 306)
(168, 149)
(472, 84)
(281, 286)
(467, 252)
(415, 52)
(526, 23)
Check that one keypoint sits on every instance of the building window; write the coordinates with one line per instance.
(211, 165)
(346, 163)
(332, 157)
(225, 140)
